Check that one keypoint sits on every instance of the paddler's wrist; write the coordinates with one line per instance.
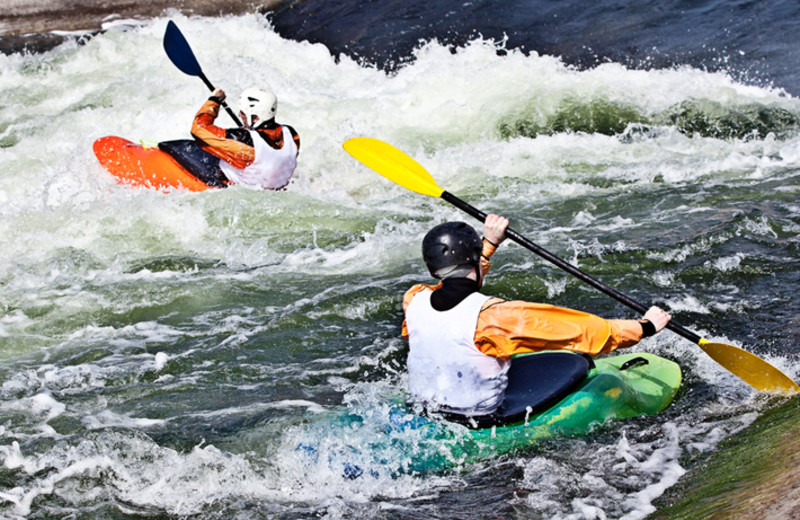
(215, 99)
(648, 329)
(489, 248)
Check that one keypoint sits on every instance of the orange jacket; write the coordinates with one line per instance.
(506, 327)
(223, 143)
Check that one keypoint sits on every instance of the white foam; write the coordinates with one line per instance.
(41, 405)
(160, 360)
(108, 418)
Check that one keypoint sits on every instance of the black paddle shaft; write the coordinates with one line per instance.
(566, 266)
(180, 54)
(223, 103)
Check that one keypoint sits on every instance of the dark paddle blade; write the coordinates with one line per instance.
(179, 52)
(181, 55)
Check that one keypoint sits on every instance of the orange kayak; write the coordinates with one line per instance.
(147, 167)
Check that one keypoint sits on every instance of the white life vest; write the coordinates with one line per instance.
(445, 368)
(271, 168)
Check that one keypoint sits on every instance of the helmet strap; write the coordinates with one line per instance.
(454, 271)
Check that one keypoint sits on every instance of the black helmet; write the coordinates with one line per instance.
(452, 245)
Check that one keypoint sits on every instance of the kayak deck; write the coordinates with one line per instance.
(138, 166)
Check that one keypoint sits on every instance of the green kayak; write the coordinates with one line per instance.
(550, 394)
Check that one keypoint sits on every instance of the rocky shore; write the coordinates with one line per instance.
(37, 25)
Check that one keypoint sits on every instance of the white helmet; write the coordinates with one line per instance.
(257, 106)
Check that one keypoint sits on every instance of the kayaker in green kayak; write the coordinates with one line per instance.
(461, 341)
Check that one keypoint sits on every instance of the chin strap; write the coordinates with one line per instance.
(454, 271)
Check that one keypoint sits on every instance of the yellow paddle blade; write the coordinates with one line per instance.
(393, 164)
(750, 368)
(405, 171)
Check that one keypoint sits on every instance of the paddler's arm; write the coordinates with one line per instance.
(506, 328)
(214, 139)
(494, 233)
(488, 250)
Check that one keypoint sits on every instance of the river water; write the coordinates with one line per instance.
(162, 355)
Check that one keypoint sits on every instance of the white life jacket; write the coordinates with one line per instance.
(271, 168)
(445, 369)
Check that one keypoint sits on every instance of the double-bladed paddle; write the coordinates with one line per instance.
(181, 55)
(398, 167)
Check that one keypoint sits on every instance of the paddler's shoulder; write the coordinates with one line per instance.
(415, 289)
(492, 303)
(240, 134)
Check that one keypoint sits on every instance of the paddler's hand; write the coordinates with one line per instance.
(218, 94)
(658, 317)
(494, 229)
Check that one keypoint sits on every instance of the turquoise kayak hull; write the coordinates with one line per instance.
(390, 438)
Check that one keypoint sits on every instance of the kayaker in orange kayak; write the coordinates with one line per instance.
(262, 154)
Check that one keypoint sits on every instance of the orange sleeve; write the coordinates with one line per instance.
(506, 328)
(488, 251)
(213, 138)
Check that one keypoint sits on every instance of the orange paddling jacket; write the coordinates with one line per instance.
(234, 145)
(506, 328)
